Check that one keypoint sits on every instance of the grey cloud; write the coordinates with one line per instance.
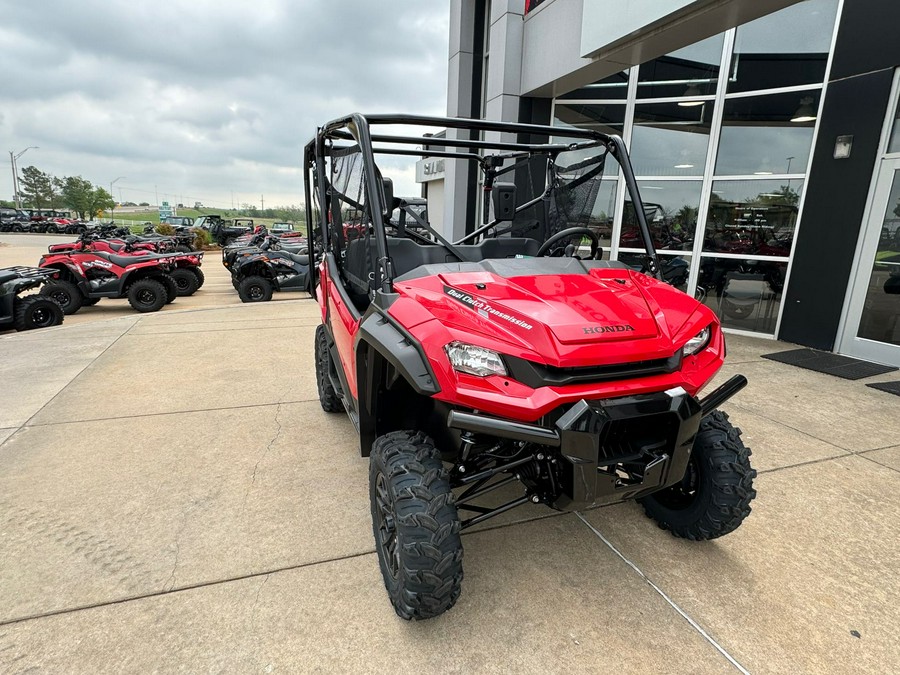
(208, 96)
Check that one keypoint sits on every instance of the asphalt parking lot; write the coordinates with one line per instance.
(172, 497)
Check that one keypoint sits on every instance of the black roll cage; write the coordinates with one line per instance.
(356, 128)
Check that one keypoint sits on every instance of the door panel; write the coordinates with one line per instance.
(873, 318)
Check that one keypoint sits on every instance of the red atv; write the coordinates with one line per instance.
(85, 277)
(500, 361)
(187, 275)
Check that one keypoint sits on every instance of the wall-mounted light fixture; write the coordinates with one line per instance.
(842, 146)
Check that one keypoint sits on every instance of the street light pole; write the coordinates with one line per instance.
(111, 183)
(15, 171)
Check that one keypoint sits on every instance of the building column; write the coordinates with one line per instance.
(462, 96)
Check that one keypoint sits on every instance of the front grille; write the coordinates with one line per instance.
(539, 375)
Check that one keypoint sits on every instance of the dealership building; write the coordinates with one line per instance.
(764, 135)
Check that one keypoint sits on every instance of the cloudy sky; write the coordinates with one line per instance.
(197, 100)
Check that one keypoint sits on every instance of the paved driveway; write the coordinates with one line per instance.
(172, 497)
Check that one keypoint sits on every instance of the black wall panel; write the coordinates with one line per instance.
(867, 38)
(866, 53)
(836, 194)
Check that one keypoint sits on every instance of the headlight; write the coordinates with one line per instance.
(696, 343)
(474, 360)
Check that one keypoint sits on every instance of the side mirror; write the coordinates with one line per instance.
(387, 189)
(503, 199)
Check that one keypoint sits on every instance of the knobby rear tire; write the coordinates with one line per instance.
(65, 293)
(328, 397)
(37, 311)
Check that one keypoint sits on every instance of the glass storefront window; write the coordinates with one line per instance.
(769, 134)
(784, 49)
(613, 87)
(602, 194)
(880, 320)
(745, 294)
(691, 71)
(675, 268)
(671, 207)
(605, 118)
(752, 217)
(669, 139)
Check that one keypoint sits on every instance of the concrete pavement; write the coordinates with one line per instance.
(172, 497)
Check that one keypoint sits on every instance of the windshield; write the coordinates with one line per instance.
(551, 193)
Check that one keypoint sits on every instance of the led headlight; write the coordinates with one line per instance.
(474, 360)
(696, 343)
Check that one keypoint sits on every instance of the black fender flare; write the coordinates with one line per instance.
(381, 339)
(70, 272)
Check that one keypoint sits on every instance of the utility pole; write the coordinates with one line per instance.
(262, 202)
(15, 171)
(112, 214)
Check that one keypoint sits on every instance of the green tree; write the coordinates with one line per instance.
(101, 201)
(78, 194)
(783, 195)
(36, 187)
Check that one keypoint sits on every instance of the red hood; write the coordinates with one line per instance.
(608, 315)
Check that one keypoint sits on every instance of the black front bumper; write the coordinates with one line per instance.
(611, 450)
(623, 448)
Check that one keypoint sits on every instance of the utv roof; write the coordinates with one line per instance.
(530, 139)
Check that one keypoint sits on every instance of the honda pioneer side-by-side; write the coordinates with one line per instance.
(514, 364)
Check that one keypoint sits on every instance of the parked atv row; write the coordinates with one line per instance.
(18, 221)
(91, 269)
(265, 264)
(28, 311)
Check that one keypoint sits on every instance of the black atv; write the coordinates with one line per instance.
(267, 266)
(29, 311)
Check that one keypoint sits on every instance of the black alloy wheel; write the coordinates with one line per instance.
(37, 311)
(147, 295)
(186, 282)
(65, 293)
(255, 289)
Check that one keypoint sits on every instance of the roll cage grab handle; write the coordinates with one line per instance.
(357, 129)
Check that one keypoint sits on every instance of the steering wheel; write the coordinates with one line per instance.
(547, 246)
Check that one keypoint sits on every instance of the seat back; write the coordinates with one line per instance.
(407, 255)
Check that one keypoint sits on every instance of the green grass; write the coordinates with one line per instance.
(152, 216)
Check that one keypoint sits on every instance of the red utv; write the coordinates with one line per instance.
(503, 361)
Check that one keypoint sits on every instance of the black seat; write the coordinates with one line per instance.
(297, 258)
(126, 260)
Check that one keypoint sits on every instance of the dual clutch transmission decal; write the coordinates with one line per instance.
(484, 308)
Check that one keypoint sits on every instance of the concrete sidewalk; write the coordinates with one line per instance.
(172, 497)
